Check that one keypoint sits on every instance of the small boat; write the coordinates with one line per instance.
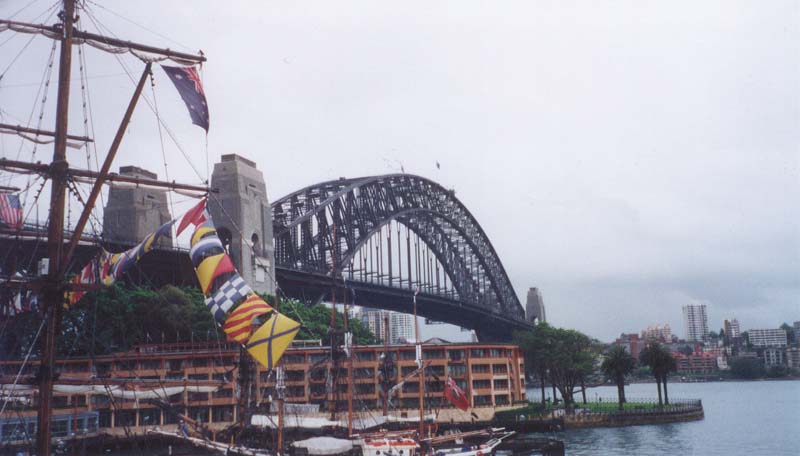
(475, 443)
(388, 446)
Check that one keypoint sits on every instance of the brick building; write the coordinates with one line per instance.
(491, 374)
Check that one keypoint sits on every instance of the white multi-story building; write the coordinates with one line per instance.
(767, 337)
(695, 320)
(773, 357)
(658, 332)
(732, 328)
(793, 357)
(401, 326)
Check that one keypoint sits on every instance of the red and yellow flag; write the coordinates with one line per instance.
(238, 324)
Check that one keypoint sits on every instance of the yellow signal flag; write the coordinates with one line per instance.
(200, 233)
(269, 341)
(211, 268)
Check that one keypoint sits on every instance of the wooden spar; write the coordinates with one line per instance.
(112, 177)
(83, 35)
(34, 131)
(103, 174)
(54, 296)
(144, 383)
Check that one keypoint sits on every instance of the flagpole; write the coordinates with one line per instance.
(421, 371)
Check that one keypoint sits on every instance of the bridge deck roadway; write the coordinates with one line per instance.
(313, 287)
(164, 266)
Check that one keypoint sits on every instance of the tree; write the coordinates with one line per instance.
(118, 317)
(789, 332)
(661, 363)
(617, 364)
(535, 346)
(570, 359)
(747, 368)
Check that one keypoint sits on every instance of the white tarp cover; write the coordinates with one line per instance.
(324, 445)
(116, 391)
(313, 422)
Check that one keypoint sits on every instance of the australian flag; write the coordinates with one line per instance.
(187, 81)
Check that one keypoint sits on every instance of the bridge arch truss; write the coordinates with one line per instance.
(390, 236)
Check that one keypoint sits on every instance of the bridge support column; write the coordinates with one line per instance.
(243, 218)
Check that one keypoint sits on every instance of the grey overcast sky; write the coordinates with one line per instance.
(626, 157)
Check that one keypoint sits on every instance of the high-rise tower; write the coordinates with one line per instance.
(134, 212)
(243, 218)
(695, 320)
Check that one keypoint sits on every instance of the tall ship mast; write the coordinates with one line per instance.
(237, 309)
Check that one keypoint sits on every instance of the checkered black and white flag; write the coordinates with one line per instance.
(233, 291)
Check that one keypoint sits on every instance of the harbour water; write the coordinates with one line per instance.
(741, 418)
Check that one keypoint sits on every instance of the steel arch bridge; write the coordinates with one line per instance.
(379, 239)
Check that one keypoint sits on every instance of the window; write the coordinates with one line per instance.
(455, 355)
(295, 376)
(480, 368)
(175, 364)
(149, 417)
(126, 365)
(481, 384)
(483, 400)
(200, 362)
(365, 355)
(294, 359)
(197, 397)
(433, 354)
(501, 400)
(296, 391)
(501, 384)
(500, 369)
(198, 376)
(458, 370)
(408, 355)
(223, 393)
(199, 413)
(222, 413)
(150, 364)
(125, 418)
(365, 388)
(364, 372)
(476, 353)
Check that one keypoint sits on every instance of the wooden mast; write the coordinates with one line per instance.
(334, 374)
(351, 355)
(385, 362)
(59, 173)
(53, 296)
(280, 385)
(421, 372)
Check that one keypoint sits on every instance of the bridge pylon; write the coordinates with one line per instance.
(243, 218)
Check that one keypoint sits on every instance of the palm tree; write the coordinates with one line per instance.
(667, 364)
(650, 356)
(617, 364)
